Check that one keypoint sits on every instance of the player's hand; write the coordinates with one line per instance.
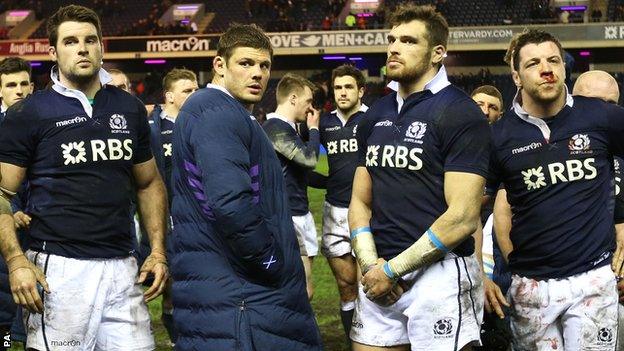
(21, 219)
(394, 295)
(376, 283)
(313, 117)
(618, 256)
(23, 277)
(156, 264)
(620, 287)
(494, 298)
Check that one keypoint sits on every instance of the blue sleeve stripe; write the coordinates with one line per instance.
(358, 231)
(434, 239)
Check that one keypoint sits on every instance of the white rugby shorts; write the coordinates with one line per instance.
(336, 240)
(93, 304)
(306, 234)
(575, 313)
(443, 310)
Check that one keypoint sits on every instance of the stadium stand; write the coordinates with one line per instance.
(141, 17)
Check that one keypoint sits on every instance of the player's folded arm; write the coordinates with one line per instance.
(222, 154)
(289, 145)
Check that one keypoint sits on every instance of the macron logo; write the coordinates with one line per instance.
(531, 146)
(385, 123)
(74, 120)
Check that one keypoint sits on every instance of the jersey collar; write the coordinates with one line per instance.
(163, 115)
(343, 119)
(435, 85)
(105, 78)
(218, 87)
(278, 116)
(538, 122)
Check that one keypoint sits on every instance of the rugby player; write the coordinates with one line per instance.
(490, 101)
(178, 85)
(338, 135)
(416, 199)
(15, 85)
(120, 80)
(238, 283)
(294, 97)
(82, 144)
(555, 163)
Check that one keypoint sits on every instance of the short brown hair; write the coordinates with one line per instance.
(243, 35)
(74, 13)
(175, 75)
(349, 70)
(531, 36)
(14, 64)
(437, 27)
(292, 83)
(489, 90)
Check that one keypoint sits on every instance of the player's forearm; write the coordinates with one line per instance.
(448, 231)
(306, 154)
(502, 223)
(359, 220)
(152, 201)
(9, 245)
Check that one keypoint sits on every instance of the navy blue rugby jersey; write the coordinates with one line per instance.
(79, 168)
(558, 176)
(166, 137)
(618, 164)
(297, 158)
(407, 153)
(339, 139)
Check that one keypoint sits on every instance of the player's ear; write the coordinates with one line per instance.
(293, 99)
(52, 52)
(361, 92)
(169, 96)
(219, 65)
(516, 78)
(438, 54)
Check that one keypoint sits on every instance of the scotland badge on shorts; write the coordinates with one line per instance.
(605, 335)
(443, 328)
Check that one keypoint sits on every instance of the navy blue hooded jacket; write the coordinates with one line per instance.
(238, 279)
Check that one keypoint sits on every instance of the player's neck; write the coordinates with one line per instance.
(89, 88)
(4, 106)
(417, 85)
(350, 112)
(286, 112)
(540, 109)
(171, 111)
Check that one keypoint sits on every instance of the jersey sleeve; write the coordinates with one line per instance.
(615, 115)
(365, 127)
(143, 150)
(494, 177)
(221, 149)
(289, 144)
(465, 139)
(19, 134)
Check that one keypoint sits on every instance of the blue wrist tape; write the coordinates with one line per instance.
(358, 231)
(434, 239)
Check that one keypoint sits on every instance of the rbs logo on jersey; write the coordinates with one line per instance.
(109, 150)
(394, 156)
(558, 172)
(342, 146)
